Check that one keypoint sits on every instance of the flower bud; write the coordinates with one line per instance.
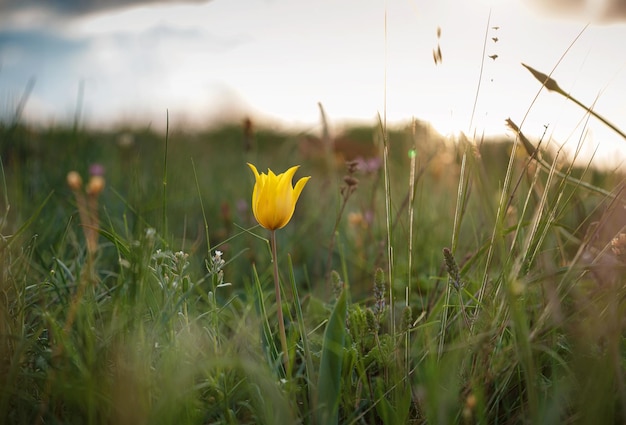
(95, 185)
(274, 198)
(74, 181)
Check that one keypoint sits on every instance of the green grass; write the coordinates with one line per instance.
(521, 322)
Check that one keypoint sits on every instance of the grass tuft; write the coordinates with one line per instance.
(478, 281)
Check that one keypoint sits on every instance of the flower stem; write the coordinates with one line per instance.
(279, 305)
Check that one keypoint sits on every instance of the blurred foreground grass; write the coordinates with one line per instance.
(508, 302)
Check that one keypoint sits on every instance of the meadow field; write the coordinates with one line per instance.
(423, 279)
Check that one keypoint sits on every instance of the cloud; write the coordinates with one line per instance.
(127, 74)
(80, 7)
(597, 11)
(25, 54)
(41, 56)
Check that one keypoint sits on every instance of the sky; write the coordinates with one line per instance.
(125, 62)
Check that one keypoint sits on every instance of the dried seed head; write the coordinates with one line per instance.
(548, 82)
(352, 166)
(74, 181)
(350, 181)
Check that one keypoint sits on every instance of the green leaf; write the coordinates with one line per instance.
(329, 383)
(383, 407)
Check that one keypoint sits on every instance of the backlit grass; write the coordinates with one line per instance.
(434, 281)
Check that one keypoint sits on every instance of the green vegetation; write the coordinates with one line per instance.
(436, 282)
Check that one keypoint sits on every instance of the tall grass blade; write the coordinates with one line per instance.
(28, 222)
(301, 327)
(164, 200)
(272, 352)
(206, 223)
(329, 383)
(462, 194)
(7, 205)
(397, 410)
(23, 100)
(385, 137)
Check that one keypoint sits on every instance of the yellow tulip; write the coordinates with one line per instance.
(274, 198)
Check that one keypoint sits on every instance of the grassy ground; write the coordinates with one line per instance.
(450, 282)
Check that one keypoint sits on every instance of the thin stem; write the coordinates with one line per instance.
(331, 245)
(164, 205)
(595, 114)
(279, 305)
(480, 75)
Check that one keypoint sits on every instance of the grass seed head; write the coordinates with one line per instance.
(407, 318)
(336, 283)
(372, 322)
(453, 268)
(379, 291)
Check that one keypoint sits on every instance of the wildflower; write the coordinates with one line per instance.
(96, 169)
(95, 185)
(356, 219)
(274, 198)
(170, 268)
(273, 203)
(215, 265)
(217, 262)
(88, 206)
(74, 181)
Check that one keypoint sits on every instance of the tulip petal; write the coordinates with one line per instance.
(298, 189)
(274, 198)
